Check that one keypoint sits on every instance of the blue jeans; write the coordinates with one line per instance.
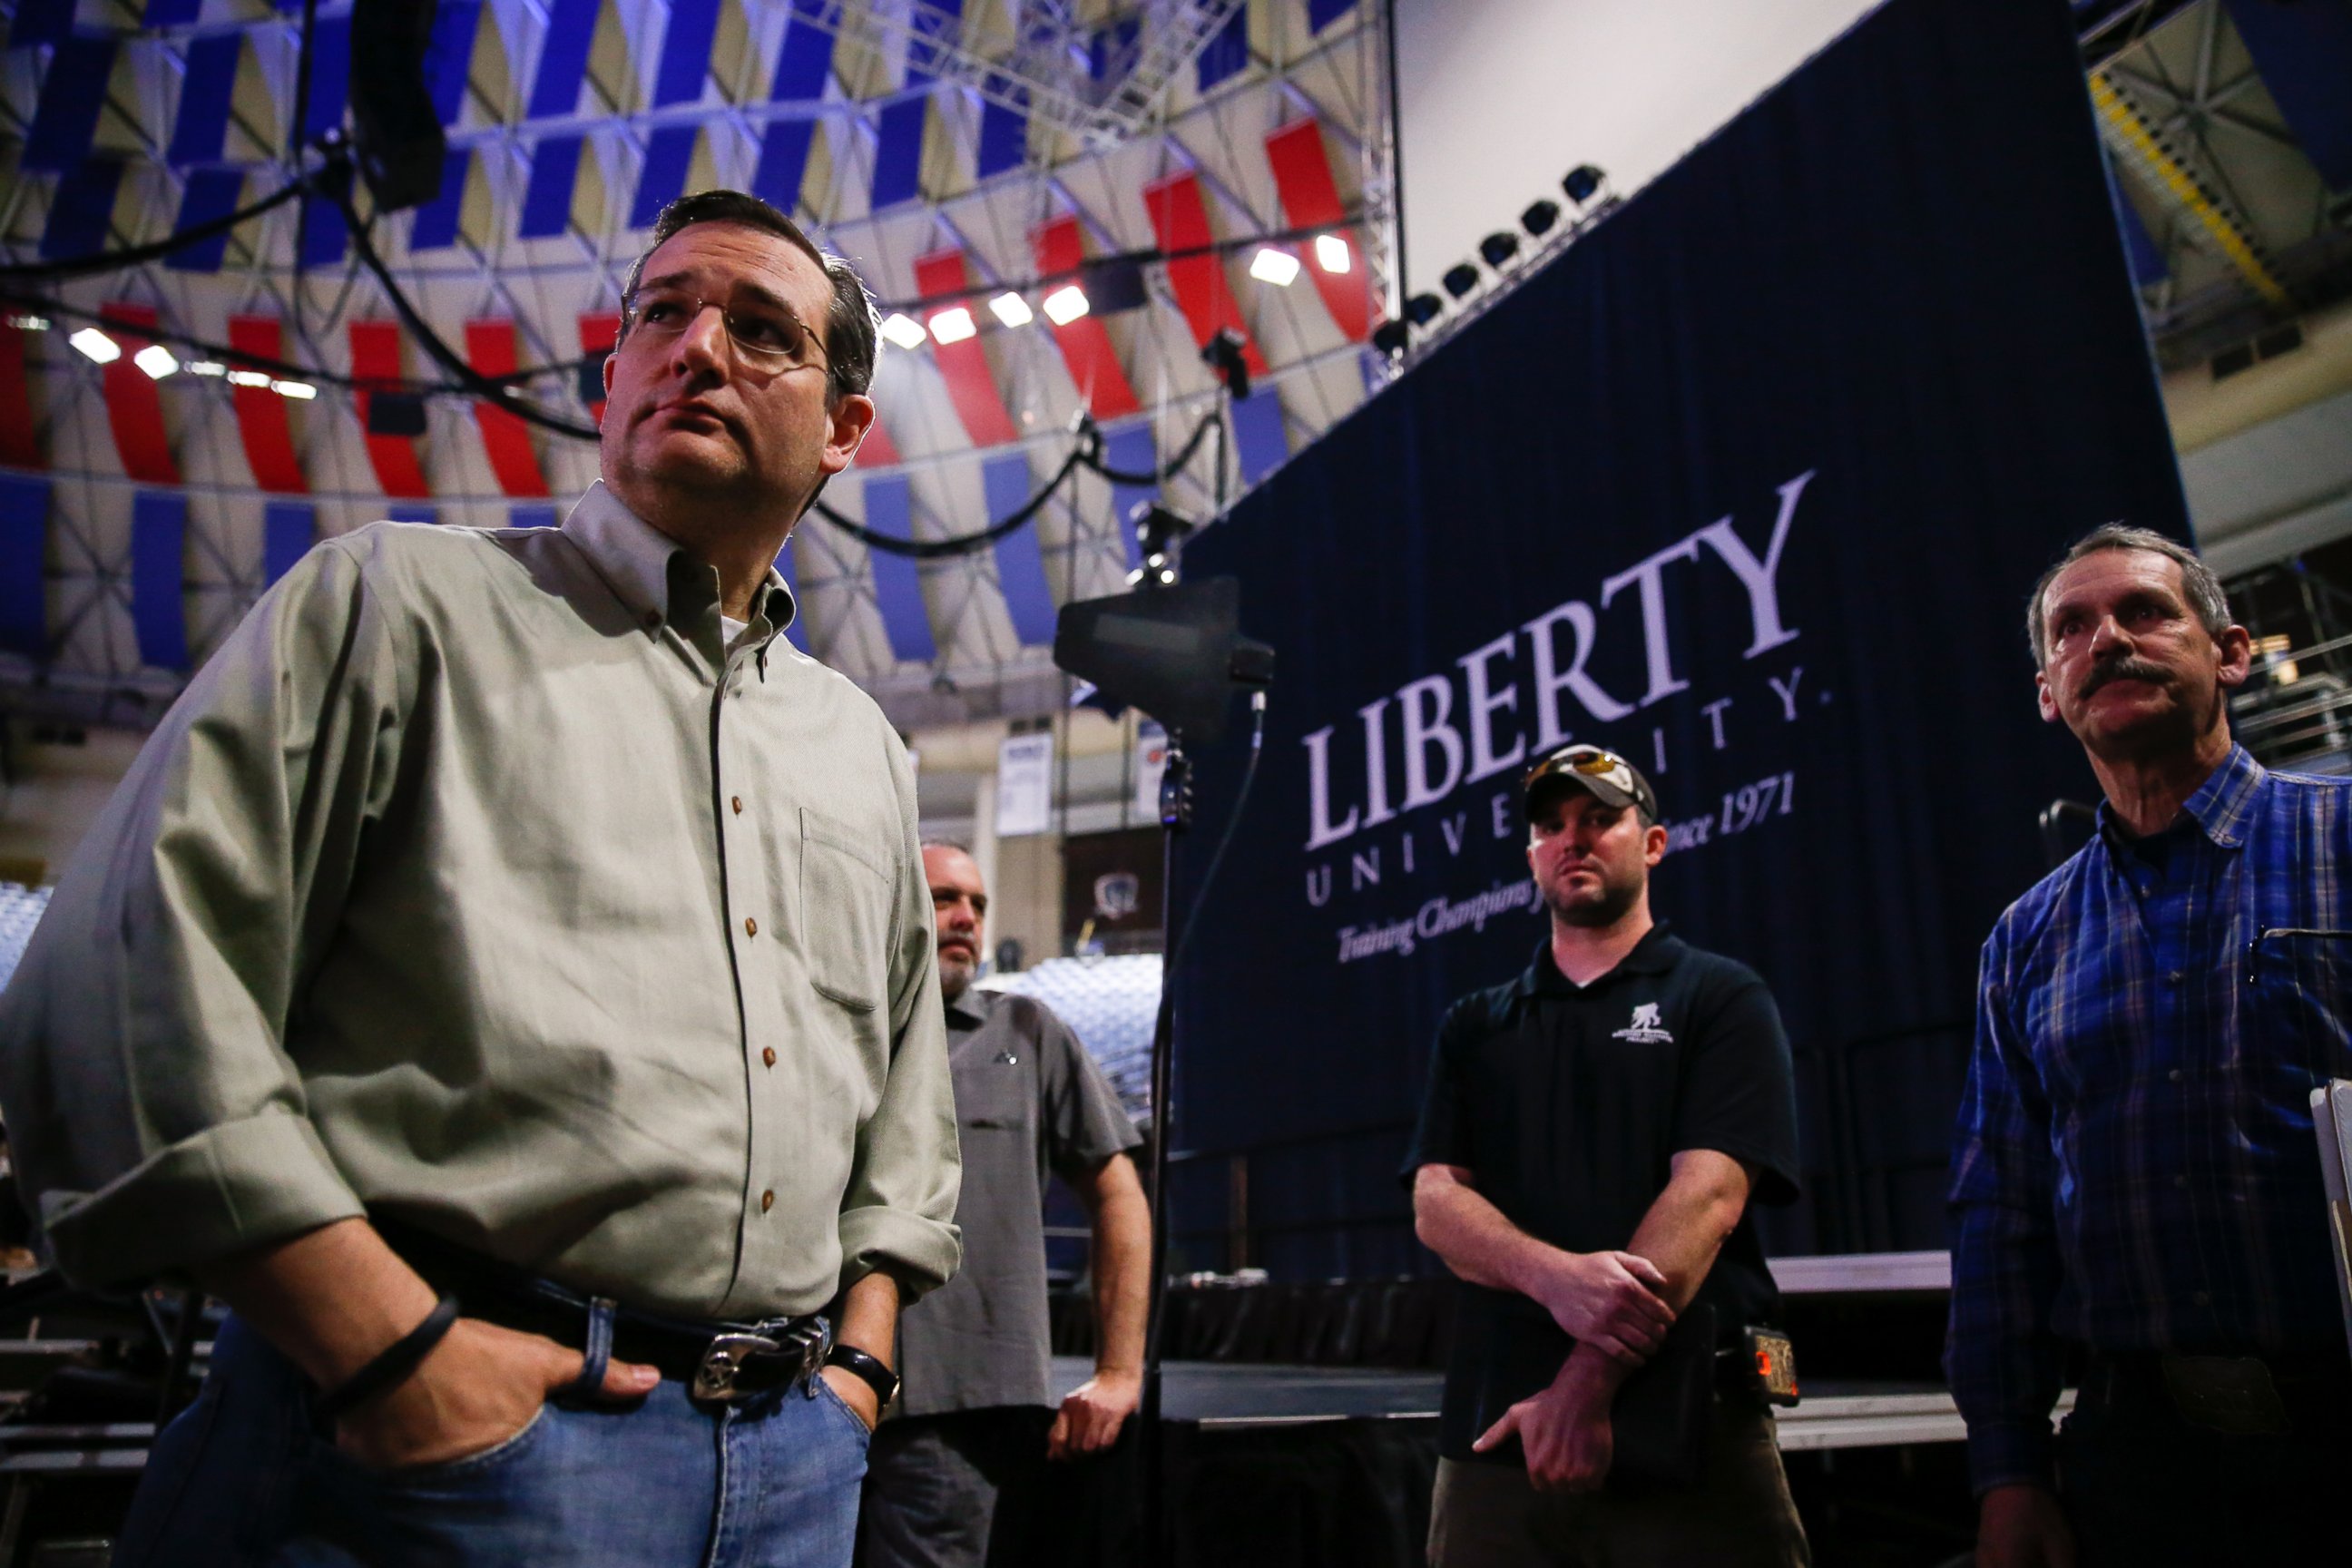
(243, 1479)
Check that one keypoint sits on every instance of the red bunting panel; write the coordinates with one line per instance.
(1206, 298)
(971, 385)
(375, 356)
(1085, 343)
(134, 404)
(1310, 199)
(491, 348)
(878, 450)
(261, 418)
(19, 449)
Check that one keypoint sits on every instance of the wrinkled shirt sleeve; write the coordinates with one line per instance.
(899, 1212)
(153, 1114)
(2001, 1357)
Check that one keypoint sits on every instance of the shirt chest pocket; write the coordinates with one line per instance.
(993, 1094)
(845, 913)
(2299, 984)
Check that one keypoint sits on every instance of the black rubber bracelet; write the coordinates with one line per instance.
(391, 1363)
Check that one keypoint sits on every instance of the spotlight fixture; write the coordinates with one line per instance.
(953, 325)
(395, 414)
(1012, 310)
(1423, 308)
(1279, 267)
(300, 391)
(1540, 218)
(1460, 278)
(904, 329)
(97, 346)
(1223, 354)
(1065, 304)
(205, 367)
(156, 360)
(248, 378)
(1581, 182)
(1331, 253)
(29, 323)
(1392, 337)
(1499, 248)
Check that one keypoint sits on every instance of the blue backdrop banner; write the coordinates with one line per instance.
(1750, 483)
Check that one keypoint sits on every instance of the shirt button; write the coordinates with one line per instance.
(2172, 977)
(768, 1056)
(737, 801)
(2174, 1075)
(768, 1201)
(752, 927)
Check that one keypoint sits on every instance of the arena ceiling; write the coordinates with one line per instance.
(958, 153)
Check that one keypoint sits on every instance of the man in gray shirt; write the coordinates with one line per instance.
(954, 1476)
(504, 978)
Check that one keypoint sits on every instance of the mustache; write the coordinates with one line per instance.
(2125, 668)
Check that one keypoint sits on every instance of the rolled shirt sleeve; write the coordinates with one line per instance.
(898, 1213)
(150, 1101)
(2002, 1359)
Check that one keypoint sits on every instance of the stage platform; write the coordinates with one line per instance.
(1222, 1396)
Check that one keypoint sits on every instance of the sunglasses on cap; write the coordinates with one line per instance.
(1586, 764)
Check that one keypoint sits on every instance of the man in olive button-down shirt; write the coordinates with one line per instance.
(525, 888)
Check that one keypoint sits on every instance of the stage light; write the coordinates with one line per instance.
(1540, 218)
(156, 360)
(205, 367)
(1065, 304)
(300, 391)
(1390, 337)
(952, 325)
(1331, 253)
(1499, 248)
(1279, 267)
(904, 329)
(1157, 528)
(29, 323)
(1581, 182)
(97, 346)
(248, 378)
(1223, 354)
(1460, 278)
(1012, 310)
(1423, 308)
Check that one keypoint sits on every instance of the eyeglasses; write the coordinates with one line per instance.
(766, 337)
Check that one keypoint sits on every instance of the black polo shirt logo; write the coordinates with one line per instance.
(1645, 1029)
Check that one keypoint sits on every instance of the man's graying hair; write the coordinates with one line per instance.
(849, 337)
(2197, 580)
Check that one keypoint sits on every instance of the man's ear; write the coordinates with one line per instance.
(2044, 697)
(2237, 645)
(1653, 843)
(849, 421)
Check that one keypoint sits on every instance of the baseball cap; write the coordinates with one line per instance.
(1600, 772)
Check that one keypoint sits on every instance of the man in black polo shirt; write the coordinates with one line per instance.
(1592, 1136)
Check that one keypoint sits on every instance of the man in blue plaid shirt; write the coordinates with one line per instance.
(2136, 1186)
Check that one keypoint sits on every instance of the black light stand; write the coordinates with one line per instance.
(1176, 652)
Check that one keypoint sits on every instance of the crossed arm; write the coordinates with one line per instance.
(1616, 1305)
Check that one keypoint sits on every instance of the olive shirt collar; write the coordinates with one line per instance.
(660, 581)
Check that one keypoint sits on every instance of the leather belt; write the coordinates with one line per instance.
(721, 1360)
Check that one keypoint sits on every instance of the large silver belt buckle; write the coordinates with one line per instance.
(724, 1357)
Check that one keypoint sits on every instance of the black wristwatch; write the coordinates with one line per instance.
(867, 1369)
